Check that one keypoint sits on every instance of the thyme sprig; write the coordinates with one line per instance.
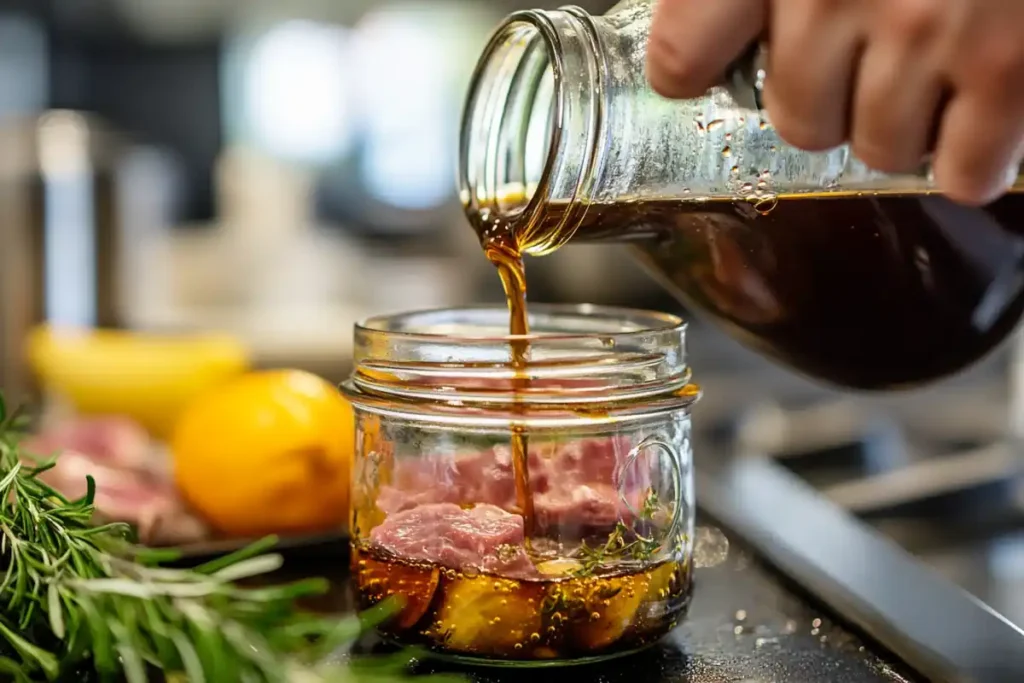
(82, 602)
(625, 542)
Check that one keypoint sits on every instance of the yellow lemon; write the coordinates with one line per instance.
(267, 452)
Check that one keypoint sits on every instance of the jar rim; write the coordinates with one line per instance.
(654, 322)
(498, 115)
(585, 364)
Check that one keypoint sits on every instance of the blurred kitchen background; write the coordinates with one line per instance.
(277, 170)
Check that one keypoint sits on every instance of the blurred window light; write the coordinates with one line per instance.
(407, 159)
(297, 91)
(24, 67)
(411, 82)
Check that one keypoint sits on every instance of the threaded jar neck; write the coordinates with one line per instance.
(585, 364)
(533, 124)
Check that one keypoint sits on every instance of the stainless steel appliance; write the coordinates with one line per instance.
(59, 229)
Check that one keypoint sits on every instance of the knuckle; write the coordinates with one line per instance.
(830, 7)
(804, 134)
(796, 124)
(963, 181)
(884, 157)
(671, 69)
(1000, 63)
(914, 20)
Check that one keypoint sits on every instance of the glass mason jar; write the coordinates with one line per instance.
(848, 275)
(579, 549)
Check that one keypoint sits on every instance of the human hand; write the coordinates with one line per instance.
(898, 79)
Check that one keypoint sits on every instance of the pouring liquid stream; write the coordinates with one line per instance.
(503, 251)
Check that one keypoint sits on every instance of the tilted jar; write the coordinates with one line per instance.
(850, 276)
(603, 566)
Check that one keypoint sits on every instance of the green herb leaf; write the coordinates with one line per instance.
(86, 602)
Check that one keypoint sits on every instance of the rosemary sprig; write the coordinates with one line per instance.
(82, 602)
(624, 542)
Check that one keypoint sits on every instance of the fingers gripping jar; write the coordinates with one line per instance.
(531, 514)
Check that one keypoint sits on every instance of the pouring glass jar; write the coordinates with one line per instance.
(601, 565)
(850, 276)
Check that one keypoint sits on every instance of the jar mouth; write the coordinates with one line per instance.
(582, 363)
(549, 322)
(526, 140)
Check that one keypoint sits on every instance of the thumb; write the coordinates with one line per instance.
(693, 42)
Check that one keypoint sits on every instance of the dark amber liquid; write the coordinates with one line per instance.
(866, 292)
(561, 616)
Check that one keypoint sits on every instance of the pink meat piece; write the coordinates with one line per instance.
(122, 495)
(574, 510)
(133, 482)
(116, 441)
(575, 483)
(485, 537)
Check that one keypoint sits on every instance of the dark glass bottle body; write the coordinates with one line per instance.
(850, 276)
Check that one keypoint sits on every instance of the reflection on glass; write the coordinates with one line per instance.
(297, 97)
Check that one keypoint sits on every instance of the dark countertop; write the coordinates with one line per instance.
(746, 625)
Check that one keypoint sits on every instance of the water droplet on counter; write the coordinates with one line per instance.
(710, 547)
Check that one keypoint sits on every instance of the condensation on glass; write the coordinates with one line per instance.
(848, 275)
(604, 566)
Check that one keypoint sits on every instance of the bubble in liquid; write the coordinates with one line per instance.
(715, 125)
(746, 188)
(726, 152)
(766, 205)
